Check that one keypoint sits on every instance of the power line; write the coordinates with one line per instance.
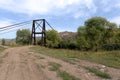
(15, 24)
(5, 32)
(12, 27)
(18, 25)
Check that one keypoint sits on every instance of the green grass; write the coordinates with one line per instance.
(55, 66)
(99, 73)
(64, 75)
(108, 58)
(2, 48)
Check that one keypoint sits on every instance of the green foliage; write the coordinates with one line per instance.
(99, 73)
(72, 45)
(23, 37)
(53, 38)
(2, 49)
(68, 44)
(63, 44)
(81, 30)
(99, 22)
(3, 41)
(55, 66)
(111, 47)
(82, 43)
(66, 76)
(95, 28)
(112, 26)
(117, 36)
(98, 33)
(13, 44)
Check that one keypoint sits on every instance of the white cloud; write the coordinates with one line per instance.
(5, 22)
(117, 5)
(116, 20)
(51, 7)
(108, 5)
(90, 4)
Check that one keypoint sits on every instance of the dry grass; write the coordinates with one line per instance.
(98, 73)
(108, 58)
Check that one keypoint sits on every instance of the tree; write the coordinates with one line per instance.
(109, 34)
(97, 22)
(117, 36)
(112, 26)
(82, 42)
(23, 36)
(96, 32)
(3, 41)
(53, 38)
(96, 27)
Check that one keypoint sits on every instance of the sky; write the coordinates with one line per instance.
(63, 15)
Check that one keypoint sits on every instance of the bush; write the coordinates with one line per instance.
(72, 45)
(23, 37)
(53, 38)
(12, 44)
(3, 42)
(68, 44)
(110, 47)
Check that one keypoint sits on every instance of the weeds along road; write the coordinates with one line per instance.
(20, 63)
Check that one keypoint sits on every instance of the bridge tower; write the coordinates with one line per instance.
(38, 27)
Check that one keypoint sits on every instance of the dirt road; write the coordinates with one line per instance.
(21, 64)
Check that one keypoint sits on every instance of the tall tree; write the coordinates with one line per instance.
(95, 29)
(98, 31)
(82, 42)
(3, 41)
(23, 36)
(53, 38)
(97, 22)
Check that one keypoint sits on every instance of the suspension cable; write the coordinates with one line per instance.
(15, 24)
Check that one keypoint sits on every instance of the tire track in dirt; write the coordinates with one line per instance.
(44, 68)
(78, 68)
(20, 63)
(114, 73)
(74, 70)
(11, 66)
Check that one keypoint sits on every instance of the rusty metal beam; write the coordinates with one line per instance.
(43, 32)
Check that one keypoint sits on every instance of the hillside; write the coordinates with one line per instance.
(66, 34)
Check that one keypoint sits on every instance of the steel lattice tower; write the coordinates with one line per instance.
(39, 27)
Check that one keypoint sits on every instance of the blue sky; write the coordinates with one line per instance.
(63, 15)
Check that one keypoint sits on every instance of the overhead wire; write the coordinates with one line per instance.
(6, 28)
(12, 30)
(16, 24)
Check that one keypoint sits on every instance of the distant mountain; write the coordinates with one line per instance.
(66, 34)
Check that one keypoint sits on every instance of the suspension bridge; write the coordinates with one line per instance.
(38, 27)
